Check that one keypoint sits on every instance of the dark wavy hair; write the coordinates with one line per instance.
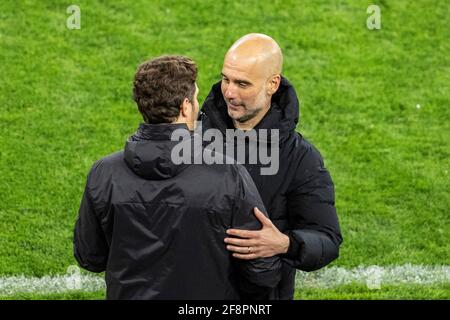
(161, 85)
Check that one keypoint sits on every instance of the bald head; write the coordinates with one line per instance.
(258, 51)
(251, 74)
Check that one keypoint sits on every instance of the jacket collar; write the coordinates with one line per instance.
(161, 131)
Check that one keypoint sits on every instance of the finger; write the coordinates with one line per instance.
(261, 217)
(240, 242)
(243, 250)
(242, 233)
(249, 256)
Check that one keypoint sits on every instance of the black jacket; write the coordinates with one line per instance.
(158, 228)
(300, 197)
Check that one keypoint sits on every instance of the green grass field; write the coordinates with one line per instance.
(375, 103)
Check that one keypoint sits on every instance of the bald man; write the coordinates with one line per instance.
(303, 226)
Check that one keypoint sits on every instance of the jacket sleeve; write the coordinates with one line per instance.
(90, 245)
(314, 232)
(257, 277)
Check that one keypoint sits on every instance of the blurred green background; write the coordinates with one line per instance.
(374, 102)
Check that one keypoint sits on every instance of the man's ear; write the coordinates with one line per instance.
(274, 84)
(185, 108)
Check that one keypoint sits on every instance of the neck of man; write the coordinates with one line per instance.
(253, 122)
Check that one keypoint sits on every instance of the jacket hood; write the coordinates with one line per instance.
(283, 114)
(148, 151)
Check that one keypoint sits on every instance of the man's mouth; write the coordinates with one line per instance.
(234, 106)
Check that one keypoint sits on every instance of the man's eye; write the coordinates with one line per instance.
(226, 80)
(242, 85)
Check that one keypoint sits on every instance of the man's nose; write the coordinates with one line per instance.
(230, 91)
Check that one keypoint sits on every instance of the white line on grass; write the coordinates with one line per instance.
(375, 276)
(372, 276)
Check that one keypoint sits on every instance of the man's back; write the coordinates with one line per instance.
(162, 225)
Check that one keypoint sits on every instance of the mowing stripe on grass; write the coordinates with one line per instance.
(373, 276)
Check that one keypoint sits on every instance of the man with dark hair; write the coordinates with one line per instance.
(161, 85)
(141, 220)
(303, 228)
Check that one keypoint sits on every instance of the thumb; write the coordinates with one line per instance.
(261, 217)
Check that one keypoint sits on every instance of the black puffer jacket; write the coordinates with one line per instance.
(300, 197)
(158, 228)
